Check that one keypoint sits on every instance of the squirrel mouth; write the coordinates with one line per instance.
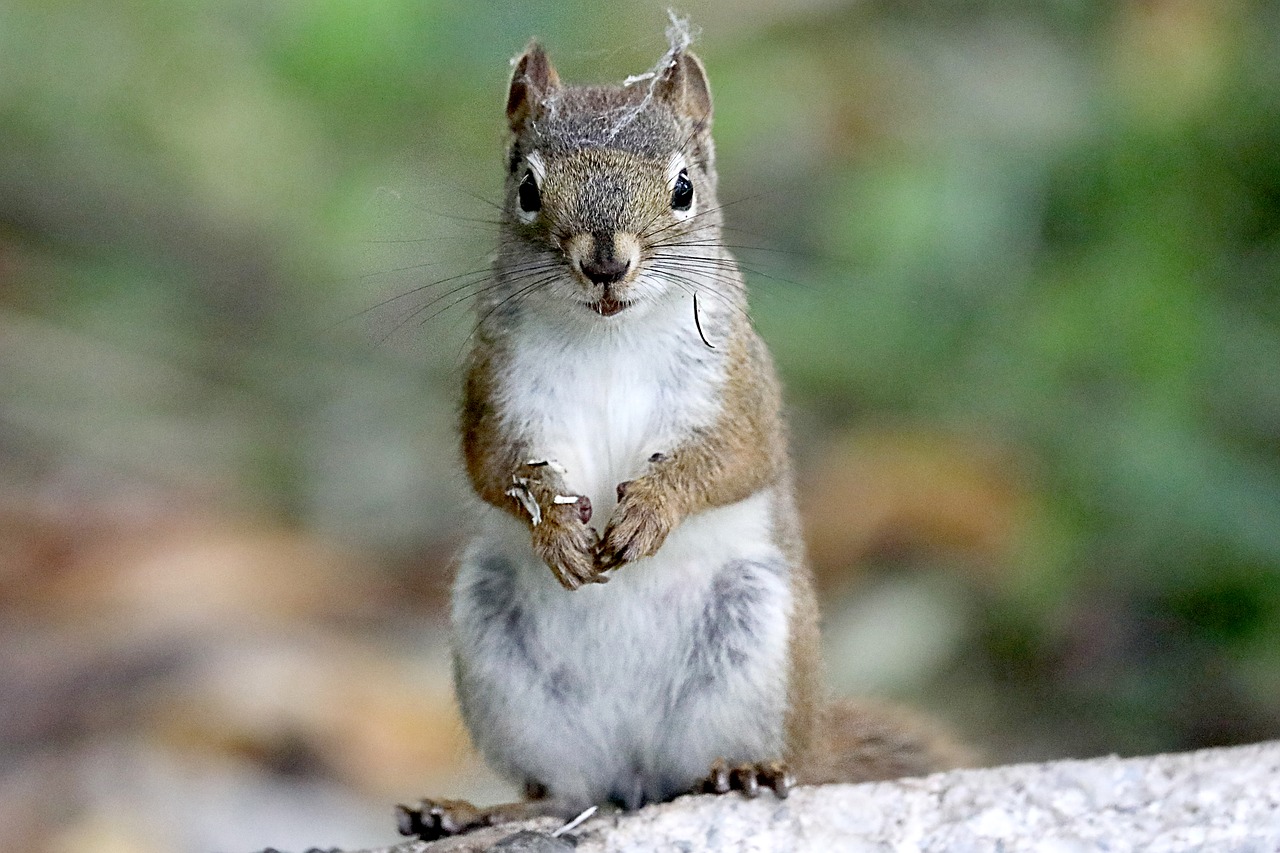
(607, 306)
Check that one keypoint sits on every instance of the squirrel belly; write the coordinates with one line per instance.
(628, 691)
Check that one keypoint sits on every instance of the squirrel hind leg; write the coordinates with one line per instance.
(862, 741)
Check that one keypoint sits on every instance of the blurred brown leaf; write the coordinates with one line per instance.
(875, 492)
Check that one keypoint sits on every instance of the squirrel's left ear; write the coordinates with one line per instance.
(684, 86)
(531, 81)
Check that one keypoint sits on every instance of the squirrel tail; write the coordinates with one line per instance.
(865, 741)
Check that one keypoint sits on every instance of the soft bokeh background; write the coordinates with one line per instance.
(1018, 261)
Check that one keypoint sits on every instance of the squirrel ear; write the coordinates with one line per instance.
(531, 82)
(684, 86)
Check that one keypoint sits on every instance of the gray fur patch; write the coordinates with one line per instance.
(723, 637)
(507, 623)
(493, 598)
(563, 685)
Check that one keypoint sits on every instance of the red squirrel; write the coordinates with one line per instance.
(635, 619)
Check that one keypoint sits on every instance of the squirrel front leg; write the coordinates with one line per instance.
(504, 473)
(740, 453)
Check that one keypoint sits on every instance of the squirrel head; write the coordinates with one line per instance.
(609, 187)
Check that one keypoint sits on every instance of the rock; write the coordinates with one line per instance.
(528, 841)
(1217, 799)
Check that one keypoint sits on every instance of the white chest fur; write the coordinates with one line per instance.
(600, 399)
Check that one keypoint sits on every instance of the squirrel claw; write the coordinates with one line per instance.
(609, 558)
(746, 780)
(749, 778)
(717, 781)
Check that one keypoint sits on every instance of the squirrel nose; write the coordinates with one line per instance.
(606, 270)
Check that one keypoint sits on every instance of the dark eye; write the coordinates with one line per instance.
(682, 195)
(530, 198)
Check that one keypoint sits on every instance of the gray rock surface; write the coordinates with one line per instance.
(1213, 800)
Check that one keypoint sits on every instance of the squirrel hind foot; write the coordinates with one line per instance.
(748, 778)
(432, 820)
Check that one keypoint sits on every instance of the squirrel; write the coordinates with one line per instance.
(635, 619)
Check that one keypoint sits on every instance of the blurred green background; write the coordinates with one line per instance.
(1019, 263)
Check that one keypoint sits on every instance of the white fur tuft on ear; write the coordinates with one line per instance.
(681, 34)
(681, 80)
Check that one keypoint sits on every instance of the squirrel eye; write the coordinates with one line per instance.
(682, 195)
(530, 198)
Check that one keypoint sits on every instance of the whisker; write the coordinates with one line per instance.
(692, 286)
(725, 264)
(518, 295)
(420, 288)
(410, 268)
(533, 269)
(403, 321)
(456, 302)
(702, 213)
(482, 271)
(716, 244)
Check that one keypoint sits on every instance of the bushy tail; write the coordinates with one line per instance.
(863, 741)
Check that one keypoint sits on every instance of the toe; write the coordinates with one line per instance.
(717, 781)
(746, 781)
(778, 776)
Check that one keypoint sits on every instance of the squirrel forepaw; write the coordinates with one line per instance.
(568, 548)
(558, 522)
(638, 527)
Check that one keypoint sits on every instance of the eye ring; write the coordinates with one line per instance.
(527, 194)
(682, 193)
